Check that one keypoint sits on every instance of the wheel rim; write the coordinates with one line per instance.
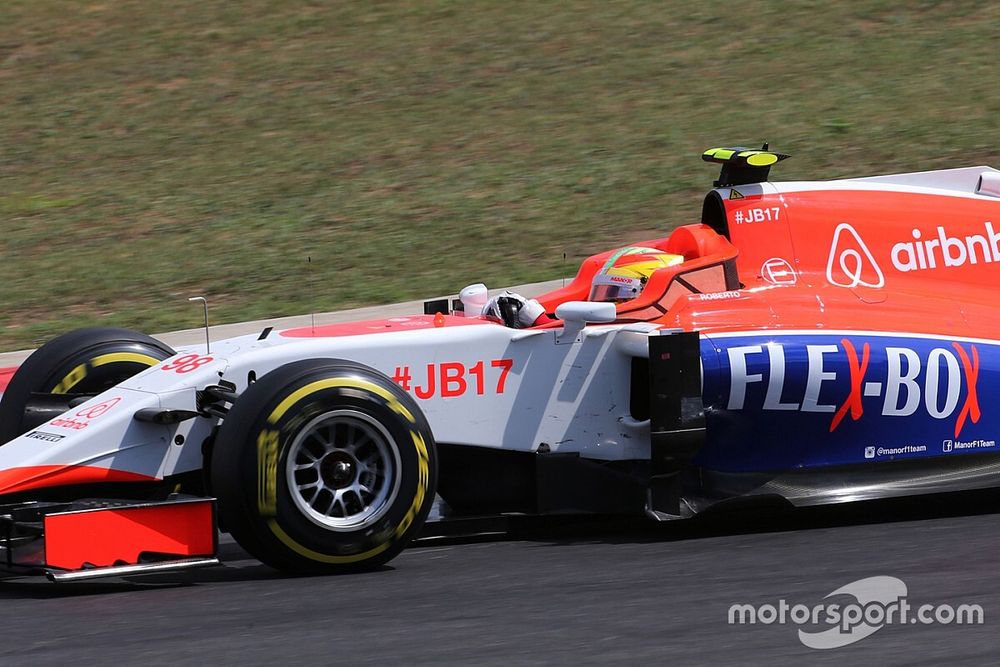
(343, 470)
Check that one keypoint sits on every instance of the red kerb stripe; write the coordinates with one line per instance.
(5, 375)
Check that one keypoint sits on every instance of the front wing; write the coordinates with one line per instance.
(88, 539)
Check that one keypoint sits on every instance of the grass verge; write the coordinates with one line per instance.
(153, 150)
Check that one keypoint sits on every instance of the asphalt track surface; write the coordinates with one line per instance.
(553, 591)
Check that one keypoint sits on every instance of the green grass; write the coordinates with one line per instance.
(156, 150)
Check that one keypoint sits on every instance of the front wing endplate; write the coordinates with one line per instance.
(86, 539)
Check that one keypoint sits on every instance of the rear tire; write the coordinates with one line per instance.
(84, 362)
(324, 466)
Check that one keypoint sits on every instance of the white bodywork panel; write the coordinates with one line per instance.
(483, 385)
(963, 182)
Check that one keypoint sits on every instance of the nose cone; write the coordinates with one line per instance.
(94, 443)
(29, 478)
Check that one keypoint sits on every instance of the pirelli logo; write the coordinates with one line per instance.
(267, 473)
(45, 437)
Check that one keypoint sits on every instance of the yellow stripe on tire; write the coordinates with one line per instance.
(73, 378)
(77, 375)
(323, 558)
(124, 357)
(356, 383)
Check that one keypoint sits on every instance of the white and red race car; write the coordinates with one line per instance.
(820, 342)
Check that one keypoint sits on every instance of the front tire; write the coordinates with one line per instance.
(324, 466)
(83, 363)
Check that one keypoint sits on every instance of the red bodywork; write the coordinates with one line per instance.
(828, 259)
(117, 535)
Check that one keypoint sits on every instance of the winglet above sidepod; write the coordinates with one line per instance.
(742, 165)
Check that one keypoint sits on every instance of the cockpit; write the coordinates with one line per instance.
(706, 264)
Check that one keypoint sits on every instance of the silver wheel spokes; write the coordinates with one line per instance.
(342, 470)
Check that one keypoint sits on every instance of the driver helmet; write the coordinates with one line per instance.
(626, 272)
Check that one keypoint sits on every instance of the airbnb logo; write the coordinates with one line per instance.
(947, 251)
(95, 411)
(851, 263)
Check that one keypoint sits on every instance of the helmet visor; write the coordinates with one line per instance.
(615, 291)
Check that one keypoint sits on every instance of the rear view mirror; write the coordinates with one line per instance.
(583, 312)
(576, 314)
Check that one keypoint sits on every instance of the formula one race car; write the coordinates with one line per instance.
(817, 342)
